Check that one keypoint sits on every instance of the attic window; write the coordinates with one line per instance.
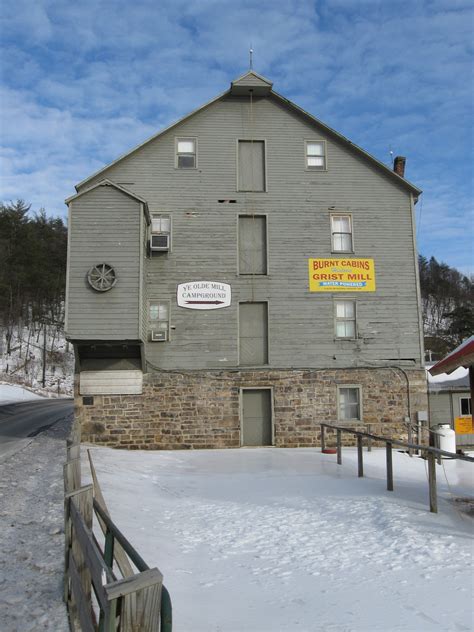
(186, 153)
(315, 155)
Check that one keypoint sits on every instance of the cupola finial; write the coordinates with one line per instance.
(251, 57)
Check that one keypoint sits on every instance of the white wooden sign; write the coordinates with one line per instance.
(204, 295)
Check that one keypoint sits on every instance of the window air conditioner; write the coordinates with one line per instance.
(160, 242)
(159, 335)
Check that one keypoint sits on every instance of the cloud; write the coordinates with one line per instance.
(84, 82)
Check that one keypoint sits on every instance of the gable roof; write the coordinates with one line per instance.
(109, 183)
(251, 82)
(254, 80)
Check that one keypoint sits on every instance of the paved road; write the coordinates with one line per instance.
(19, 422)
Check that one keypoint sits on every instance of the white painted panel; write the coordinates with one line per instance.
(111, 383)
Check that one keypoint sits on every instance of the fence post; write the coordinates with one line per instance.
(432, 482)
(72, 475)
(323, 438)
(388, 448)
(339, 446)
(369, 439)
(360, 457)
(84, 498)
(109, 548)
(410, 436)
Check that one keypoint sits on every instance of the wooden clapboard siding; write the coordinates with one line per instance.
(111, 382)
(104, 228)
(298, 204)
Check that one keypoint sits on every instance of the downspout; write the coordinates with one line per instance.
(417, 278)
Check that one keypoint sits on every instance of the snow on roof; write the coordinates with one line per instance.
(458, 379)
(463, 355)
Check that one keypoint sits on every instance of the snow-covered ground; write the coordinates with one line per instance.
(32, 535)
(12, 393)
(24, 364)
(260, 540)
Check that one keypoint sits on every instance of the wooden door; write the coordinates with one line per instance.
(256, 417)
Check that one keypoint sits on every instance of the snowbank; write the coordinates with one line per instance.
(261, 540)
(11, 393)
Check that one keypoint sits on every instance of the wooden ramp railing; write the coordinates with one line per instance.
(430, 453)
(102, 590)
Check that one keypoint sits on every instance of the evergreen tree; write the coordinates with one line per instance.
(32, 267)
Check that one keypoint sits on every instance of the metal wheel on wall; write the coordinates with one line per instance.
(102, 277)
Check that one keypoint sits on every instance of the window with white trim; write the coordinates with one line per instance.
(345, 318)
(465, 406)
(159, 320)
(160, 232)
(349, 406)
(160, 223)
(341, 233)
(186, 153)
(315, 155)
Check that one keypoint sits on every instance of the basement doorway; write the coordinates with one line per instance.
(256, 417)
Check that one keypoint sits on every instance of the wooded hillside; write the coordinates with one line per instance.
(32, 267)
(447, 303)
(33, 252)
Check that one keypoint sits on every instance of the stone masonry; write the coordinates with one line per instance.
(201, 409)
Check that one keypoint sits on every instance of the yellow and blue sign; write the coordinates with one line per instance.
(341, 275)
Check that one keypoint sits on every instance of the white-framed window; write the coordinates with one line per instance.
(349, 403)
(465, 406)
(345, 318)
(186, 153)
(160, 232)
(341, 233)
(315, 155)
(159, 320)
(160, 223)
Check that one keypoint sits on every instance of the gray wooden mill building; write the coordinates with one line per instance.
(241, 276)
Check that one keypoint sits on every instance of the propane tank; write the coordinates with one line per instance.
(445, 438)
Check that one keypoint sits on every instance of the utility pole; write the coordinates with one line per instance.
(44, 353)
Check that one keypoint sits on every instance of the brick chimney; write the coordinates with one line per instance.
(399, 165)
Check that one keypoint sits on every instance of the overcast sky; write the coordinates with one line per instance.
(83, 82)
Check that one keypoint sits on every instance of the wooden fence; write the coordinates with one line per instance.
(430, 453)
(102, 590)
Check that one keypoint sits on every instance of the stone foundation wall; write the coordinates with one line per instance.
(201, 409)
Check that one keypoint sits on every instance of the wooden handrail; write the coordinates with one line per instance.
(406, 444)
(430, 451)
(140, 599)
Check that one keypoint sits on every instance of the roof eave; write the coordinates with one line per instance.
(148, 140)
(463, 356)
(403, 181)
(109, 183)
